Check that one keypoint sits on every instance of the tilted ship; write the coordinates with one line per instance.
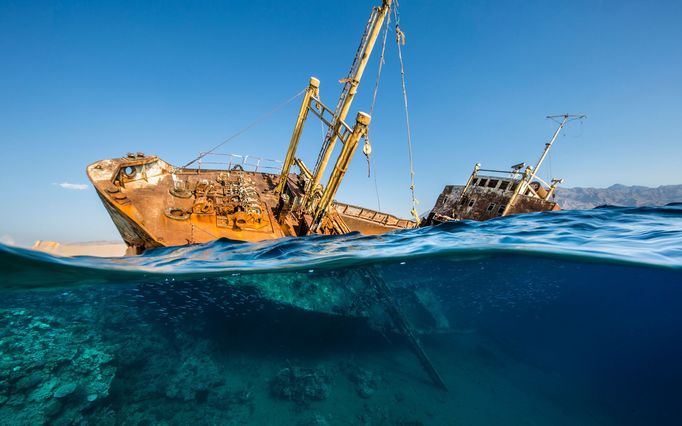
(494, 193)
(154, 204)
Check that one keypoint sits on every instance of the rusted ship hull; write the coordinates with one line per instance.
(368, 221)
(482, 203)
(154, 205)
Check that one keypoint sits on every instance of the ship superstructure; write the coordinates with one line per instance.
(490, 193)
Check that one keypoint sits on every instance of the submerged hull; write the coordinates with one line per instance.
(154, 204)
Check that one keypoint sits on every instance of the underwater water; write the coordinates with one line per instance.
(562, 318)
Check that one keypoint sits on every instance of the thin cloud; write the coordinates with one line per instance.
(7, 240)
(72, 186)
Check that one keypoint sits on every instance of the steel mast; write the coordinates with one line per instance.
(531, 172)
(351, 83)
(565, 118)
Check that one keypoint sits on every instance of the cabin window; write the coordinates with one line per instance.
(501, 209)
(474, 182)
(471, 203)
(492, 183)
(513, 186)
(464, 201)
(504, 185)
(491, 207)
(482, 182)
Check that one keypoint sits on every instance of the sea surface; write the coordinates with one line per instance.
(559, 318)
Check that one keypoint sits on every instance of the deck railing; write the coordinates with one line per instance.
(245, 162)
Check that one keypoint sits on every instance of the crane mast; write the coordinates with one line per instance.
(317, 199)
(350, 88)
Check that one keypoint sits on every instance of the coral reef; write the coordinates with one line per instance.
(316, 420)
(365, 381)
(196, 375)
(49, 371)
(114, 356)
(301, 384)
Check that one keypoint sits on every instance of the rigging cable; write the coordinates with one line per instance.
(254, 123)
(367, 149)
(549, 175)
(400, 40)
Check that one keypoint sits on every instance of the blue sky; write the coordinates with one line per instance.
(82, 81)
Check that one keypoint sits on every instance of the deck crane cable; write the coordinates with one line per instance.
(251, 125)
(400, 41)
(367, 149)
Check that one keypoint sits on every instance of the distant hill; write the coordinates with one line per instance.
(89, 248)
(618, 195)
(615, 195)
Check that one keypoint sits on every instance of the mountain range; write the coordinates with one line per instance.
(615, 195)
(618, 195)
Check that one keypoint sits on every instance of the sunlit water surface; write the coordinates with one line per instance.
(564, 318)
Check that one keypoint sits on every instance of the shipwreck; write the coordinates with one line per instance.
(490, 193)
(155, 204)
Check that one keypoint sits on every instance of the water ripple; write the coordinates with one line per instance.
(649, 236)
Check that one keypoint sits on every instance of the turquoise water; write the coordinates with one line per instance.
(555, 318)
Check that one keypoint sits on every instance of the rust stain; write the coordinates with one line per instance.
(155, 205)
(488, 197)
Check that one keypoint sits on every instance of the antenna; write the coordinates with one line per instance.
(531, 172)
(350, 88)
(562, 119)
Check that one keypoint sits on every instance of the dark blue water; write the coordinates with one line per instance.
(553, 318)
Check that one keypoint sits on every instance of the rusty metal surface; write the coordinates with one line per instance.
(371, 222)
(486, 199)
(154, 205)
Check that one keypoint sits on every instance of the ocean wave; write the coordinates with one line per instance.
(646, 236)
